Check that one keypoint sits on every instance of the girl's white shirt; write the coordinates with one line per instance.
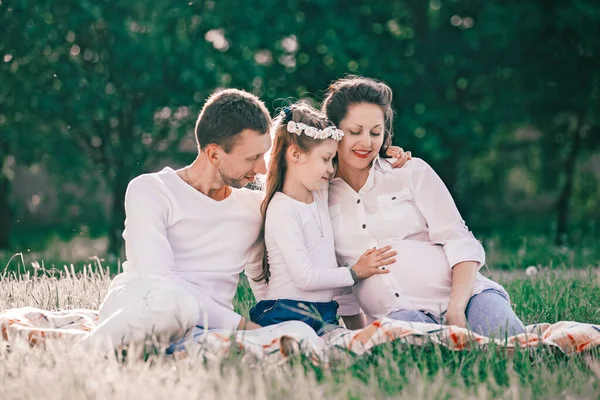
(301, 260)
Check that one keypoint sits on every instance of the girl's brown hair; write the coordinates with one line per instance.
(356, 90)
(300, 112)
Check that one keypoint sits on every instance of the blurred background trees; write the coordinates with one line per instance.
(502, 99)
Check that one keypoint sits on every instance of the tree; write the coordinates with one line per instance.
(112, 88)
(117, 81)
(560, 82)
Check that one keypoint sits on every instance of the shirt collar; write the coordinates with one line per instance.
(384, 164)
(379, 164)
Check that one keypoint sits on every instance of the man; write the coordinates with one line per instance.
(190, 233)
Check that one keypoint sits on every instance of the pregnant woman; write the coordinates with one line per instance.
(436, 276)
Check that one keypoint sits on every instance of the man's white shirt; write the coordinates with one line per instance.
(174, 232)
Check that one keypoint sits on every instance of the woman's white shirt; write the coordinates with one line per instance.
(302, 262)
(410, 209)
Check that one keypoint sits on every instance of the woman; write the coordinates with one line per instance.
(435, 278)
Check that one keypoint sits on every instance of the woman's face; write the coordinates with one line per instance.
(363, 129)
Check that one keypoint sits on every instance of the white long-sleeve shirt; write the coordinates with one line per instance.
(174, 232)
(410, 209)
(302, 263)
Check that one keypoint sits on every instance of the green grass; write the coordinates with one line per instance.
(392, 370)
(555, 297)
(435, 372)
(518, 251)
(398, 370)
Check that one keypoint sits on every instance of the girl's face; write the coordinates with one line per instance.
(314, 169)
(363, 129)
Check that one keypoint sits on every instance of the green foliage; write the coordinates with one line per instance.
(502, 100)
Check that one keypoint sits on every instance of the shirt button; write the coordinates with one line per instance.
(358, 201)
(397, 294)
(394, 198)
(364, 226)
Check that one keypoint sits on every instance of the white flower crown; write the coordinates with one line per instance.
(330, 132)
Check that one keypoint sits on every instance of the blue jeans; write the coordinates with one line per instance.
(488, 313)
(322, 317)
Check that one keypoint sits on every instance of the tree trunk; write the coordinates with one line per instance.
(126, 166)
(562, 205)
(5, 212)
(5, 206)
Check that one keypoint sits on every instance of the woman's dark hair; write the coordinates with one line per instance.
(352, 89)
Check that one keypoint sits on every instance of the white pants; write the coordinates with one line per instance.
(139, 310)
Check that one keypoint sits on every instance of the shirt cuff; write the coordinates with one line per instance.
(348, 279)
(458, 251)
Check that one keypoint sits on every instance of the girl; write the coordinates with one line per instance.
(299, 264)
(436, 280)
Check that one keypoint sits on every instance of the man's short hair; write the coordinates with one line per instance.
(226, 114)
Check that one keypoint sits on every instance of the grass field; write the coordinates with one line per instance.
(398, 371)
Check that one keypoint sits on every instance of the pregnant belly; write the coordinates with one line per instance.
(422, 274)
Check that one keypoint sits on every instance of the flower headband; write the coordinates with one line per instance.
(299, 128)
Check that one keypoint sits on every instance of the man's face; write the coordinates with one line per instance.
(246, 159)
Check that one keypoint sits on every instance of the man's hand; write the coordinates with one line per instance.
(246, 325)
(400, 154)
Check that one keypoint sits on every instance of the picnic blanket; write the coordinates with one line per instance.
(276, 344)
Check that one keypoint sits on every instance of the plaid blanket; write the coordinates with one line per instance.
(275, 344)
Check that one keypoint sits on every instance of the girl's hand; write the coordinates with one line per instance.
(400, 154)
(368, 264)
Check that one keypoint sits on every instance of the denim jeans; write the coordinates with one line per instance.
(488, 313)
(322, 317)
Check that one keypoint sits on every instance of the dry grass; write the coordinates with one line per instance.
(60, 372)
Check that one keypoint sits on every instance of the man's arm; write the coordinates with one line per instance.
(253, 270)
(146, 244)
(246, 325)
